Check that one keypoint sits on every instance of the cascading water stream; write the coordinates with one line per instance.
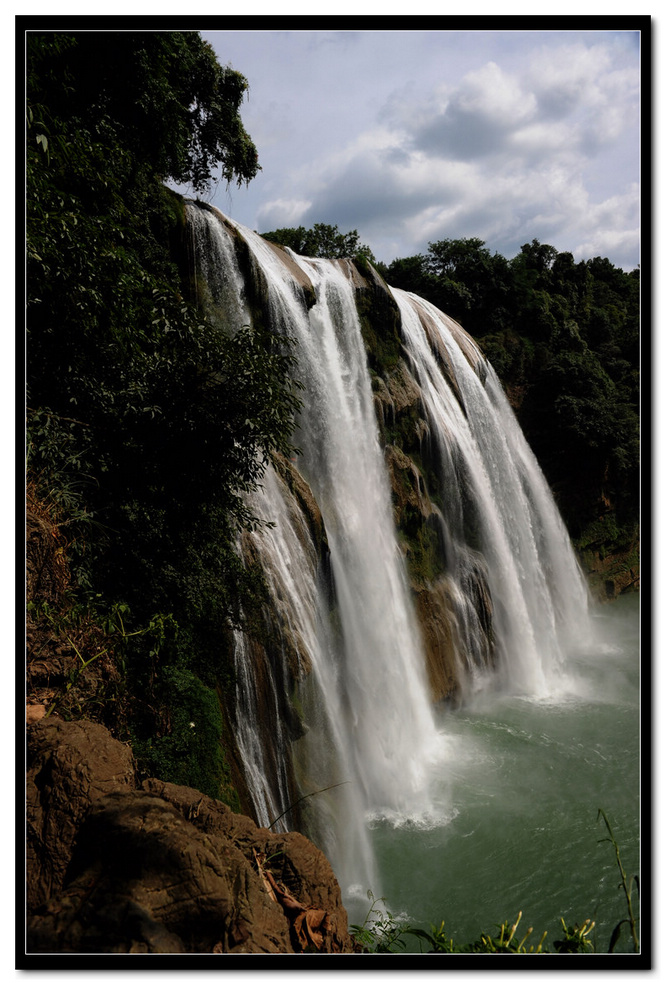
(373, 688)
(323, 756)
(369, 726)
(369, 668)
(538, 594)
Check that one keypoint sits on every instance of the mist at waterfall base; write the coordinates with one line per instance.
(468, 814)
(521, 780)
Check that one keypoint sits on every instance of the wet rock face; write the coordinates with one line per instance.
(412, 466)
(613, 572)
(160, 868)
(437, 625)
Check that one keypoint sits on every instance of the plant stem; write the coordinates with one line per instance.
(627, 890)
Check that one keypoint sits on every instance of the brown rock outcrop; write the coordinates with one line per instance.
(407, 484)
(256, 277)
(298, 489)
(161, 868)
(70, 766)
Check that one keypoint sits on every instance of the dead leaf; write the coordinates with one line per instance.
(311, 926)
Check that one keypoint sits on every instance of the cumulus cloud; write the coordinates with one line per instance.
(477, 118)
(570, 75)
(282, 212)
(538, 141)
(612, 243)
(612, 227)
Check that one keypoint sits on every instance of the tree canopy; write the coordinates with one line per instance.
(164, 93)
(146, 426)
(322, 240)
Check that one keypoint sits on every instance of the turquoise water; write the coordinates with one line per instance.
(517, 789)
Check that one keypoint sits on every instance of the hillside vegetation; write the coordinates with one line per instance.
(145, 428)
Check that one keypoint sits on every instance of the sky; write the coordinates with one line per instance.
(412, 136)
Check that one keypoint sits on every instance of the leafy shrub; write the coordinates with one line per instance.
(180, 739)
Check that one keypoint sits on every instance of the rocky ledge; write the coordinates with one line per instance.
(113, 866)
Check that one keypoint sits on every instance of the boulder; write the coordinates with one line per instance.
(70, 766)
(160, 868)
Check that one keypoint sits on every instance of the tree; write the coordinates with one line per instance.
(323, 240)
(462, 278)
(130, 392)
(146, 426)
(536, 256)
(164, 93)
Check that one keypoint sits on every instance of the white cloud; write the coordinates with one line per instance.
(612, 228)
(584, 88)
(540, 140)
(281, 213)
(611, 243)
(567, 76)
(493, 95)
(474, 119)
(509, 137)
(618, 210)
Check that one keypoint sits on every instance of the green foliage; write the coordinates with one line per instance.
(322, 240)
(423, 544)
(627, 885)
(379, 318)
(380, 932)
(385, 933)
(67, 623)
(177, 733)
(95, 687)
(575, 939)
(164, 93)
(506, 941)
(147, 427)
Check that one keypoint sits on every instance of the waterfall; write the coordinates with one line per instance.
(323, 756)
(537, 590)
(355, 658)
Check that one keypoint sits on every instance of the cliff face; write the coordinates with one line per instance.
(411, 465)
(612, 569)
(410, 462)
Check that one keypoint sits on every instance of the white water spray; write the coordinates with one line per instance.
(500, 497)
